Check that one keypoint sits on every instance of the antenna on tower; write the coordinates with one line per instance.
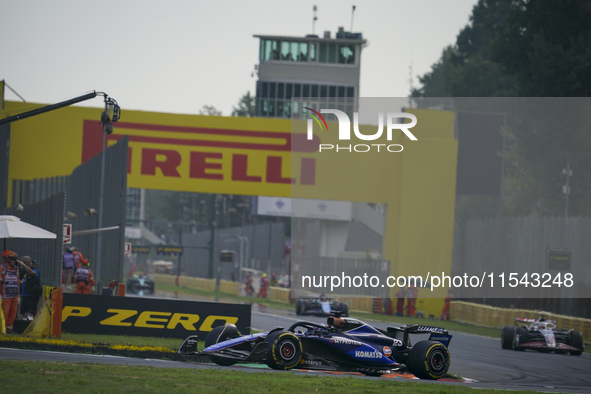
(352, 14)
(410, 76)
(314, 19)
(410, 80)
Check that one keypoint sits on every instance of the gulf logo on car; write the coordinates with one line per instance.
(387, 351)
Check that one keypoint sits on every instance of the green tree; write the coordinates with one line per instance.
(523, 48)
(246, 106)
(210, 110)
(546, 45)
(467, 69)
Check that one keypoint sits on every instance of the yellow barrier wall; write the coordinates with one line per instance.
(484, 315)
(164, 279)
(279, 294)
(229, 287)
(226, 287)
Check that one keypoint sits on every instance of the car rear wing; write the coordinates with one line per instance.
(529, 320)
(418, 329)
(524, 320)
(437, 333)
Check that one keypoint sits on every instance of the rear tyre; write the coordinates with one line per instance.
(284, 350)
(508, 337)
(429, 360)
(521, 336)
(221, 334)
(575, 339)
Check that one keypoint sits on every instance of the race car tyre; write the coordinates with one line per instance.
(299, 307)
(575, 339)
(522, 334)
(429, 360)
(132, 285)
(307, 306)
(508, 337)
(344, 309)
(220, 334)
(285, 350)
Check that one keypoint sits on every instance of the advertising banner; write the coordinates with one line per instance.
(149, 317)
(304, 208)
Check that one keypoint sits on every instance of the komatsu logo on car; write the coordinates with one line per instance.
(342, 341)
(364, 354)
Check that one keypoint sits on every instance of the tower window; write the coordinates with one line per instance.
(323, 52)
(303, 52)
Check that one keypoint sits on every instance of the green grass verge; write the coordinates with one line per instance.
(222, 296)
(60, 377)
(169, 343)
(106, 347)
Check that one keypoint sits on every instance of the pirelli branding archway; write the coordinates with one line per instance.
(267, 157)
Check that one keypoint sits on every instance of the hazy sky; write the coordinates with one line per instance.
(175, 56)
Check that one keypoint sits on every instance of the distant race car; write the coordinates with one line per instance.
(343, 344)
(541, 335)
(321, 306)
(140, 284)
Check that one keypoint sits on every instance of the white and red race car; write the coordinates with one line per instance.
(541, 335)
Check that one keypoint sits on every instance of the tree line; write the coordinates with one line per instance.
(534, 49)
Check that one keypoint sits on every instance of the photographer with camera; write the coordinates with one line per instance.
(31, 288)
(9, 288)
(84, 278)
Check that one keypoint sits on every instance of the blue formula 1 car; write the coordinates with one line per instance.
(320, 306)
(343, 344)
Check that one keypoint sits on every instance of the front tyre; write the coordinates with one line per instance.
(521, 337)
(221, 334)
(429, 360)
(284, 350)
(575, 339)
(508, 337)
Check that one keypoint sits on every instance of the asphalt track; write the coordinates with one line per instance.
(481, 360)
